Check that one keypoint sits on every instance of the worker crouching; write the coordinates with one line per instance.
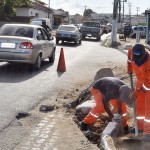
(106, 91)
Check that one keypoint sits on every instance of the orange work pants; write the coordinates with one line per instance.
(140, 110)
(97, 109)
(147, 113)
(113, 102)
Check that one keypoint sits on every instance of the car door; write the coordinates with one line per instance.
(42, 41)
(49, 43)
(142, 31)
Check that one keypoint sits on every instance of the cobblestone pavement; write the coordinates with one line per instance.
(55, 132)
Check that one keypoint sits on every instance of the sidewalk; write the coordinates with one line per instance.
(55, 132)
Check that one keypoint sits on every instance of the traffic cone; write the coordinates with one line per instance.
(61, 64)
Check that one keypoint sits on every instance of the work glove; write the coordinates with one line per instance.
(83, 126)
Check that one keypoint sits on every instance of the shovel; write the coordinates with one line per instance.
(134, 108)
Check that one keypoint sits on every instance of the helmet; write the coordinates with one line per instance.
(124, 94)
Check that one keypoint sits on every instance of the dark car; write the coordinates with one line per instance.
(90, 29)
(69, 33)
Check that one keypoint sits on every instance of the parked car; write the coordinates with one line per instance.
(141, 29)
(69, 33)
(90, 29)
(24, 43)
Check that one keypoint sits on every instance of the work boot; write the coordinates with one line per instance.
(146, 138)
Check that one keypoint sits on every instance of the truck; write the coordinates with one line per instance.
(90, 29)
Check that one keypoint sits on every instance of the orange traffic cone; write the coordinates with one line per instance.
(61, 64)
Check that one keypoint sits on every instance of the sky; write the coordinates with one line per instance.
(99, 6)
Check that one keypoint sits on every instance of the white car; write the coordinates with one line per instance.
(25, 43)
(141, 29)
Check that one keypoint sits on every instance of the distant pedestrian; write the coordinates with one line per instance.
(126, 32)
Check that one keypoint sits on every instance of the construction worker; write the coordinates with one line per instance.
(105, 90)
(46, 27)
(139, 63)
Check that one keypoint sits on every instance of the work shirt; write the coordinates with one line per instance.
(109, 87)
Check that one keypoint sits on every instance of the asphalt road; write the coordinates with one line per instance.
(21, 88)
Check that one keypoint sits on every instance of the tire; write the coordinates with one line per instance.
(37, 64)
(83, 37)
(76, 42)
(52, 58)
(57, 41)
(98, 38)
(80, 41)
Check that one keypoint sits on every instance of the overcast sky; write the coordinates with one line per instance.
(99, 6)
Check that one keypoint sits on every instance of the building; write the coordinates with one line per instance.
(60, 17)
(35, 10)
(102, 18)
(75, 19)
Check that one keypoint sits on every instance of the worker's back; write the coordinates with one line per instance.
(109, 86)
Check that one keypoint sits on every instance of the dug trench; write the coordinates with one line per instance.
(19, 128)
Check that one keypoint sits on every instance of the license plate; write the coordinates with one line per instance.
(66, 35)
(89, 35)
(8, 45)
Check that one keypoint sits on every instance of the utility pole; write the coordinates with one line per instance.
(116, 4)
(84, 14)
(137, 9)
(123, 10)
(49, 4)
(129, 4)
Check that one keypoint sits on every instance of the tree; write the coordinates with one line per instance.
(7, 7)
(87, 13)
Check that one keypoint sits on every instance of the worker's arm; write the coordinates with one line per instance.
(119, 103)
(107, 109)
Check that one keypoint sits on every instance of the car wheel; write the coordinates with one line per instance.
(80, 41)
(76, 42)
(37, 64)
(98, 38)
(52, 58)
(83, 37)
(57, 41)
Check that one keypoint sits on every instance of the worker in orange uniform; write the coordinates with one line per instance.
(105, 90)
(139, 63)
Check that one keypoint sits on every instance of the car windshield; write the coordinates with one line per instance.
(67, 28)
(91, 24)
(21, 31)
(37, 22)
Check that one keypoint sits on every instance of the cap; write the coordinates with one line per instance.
(136, 52)
(138, 49)
(124, 94)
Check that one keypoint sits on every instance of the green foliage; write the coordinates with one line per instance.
(8, 7)
(87, 12)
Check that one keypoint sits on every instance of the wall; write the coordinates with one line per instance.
(31, 12)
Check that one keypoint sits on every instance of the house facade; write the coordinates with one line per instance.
(102, 18)
(37, 10)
